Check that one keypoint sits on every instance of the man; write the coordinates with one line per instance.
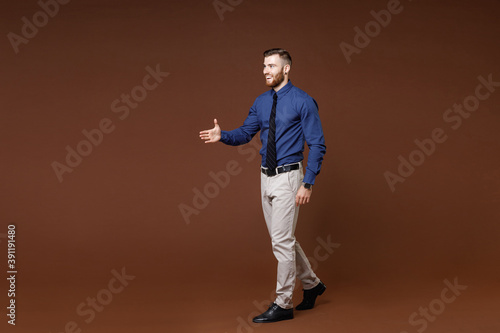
(287, 118)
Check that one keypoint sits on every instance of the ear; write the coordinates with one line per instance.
(286, 69)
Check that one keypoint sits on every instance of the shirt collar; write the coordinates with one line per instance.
(283, 91)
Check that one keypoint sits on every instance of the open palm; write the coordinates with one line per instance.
(211, 135)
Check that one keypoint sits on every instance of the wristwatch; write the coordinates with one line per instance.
(307, 186)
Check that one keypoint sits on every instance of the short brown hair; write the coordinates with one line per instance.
(284, 55)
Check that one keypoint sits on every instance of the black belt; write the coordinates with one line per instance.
(280, 169)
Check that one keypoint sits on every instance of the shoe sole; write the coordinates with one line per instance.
(271, 321)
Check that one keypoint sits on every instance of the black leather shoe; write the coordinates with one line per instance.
(310, 297)
(273, 314)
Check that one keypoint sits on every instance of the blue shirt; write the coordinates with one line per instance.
(297, 122)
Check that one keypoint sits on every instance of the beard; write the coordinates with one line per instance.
(277, 80)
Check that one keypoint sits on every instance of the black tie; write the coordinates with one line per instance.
(271, 137)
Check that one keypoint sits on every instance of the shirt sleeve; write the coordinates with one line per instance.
(313, 132)
(244, 133)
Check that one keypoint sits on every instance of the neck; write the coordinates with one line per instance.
(281, 85)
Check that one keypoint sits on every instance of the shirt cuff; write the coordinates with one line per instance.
(223, 137)
(309, 178)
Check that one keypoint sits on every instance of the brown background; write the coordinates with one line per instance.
(120, 207)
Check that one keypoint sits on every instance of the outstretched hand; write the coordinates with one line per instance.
(211, 135)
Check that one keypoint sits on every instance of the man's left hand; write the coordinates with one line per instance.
(303, 196)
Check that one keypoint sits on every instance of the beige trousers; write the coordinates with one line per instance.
(278, 203)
